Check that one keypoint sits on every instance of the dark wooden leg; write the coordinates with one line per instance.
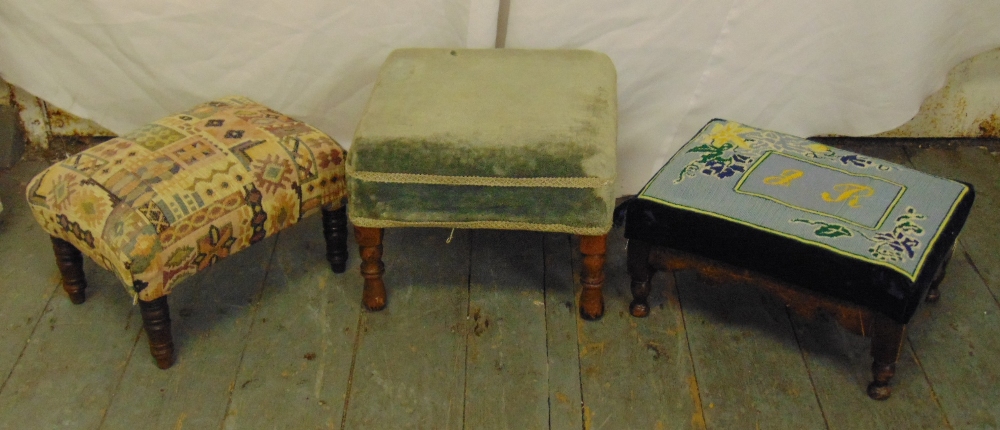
(887, 339)
(70, 262)
(335, 233)
(933, 293)
(593, 249)
(370, 245)
(642, 273)
(156, 321)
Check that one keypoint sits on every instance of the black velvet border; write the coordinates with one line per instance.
(814, 268)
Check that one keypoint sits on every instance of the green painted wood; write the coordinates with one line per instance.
(746, 358)
(410, 365)
(71, 368)
(297, 361)
(211, 314)
(29, 272)
(562, 350)
(507, 378)
(956, 342)
(840, 368)
(636, 372)
(977, 166)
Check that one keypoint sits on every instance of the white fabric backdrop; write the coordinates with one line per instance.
(124, 63)
(853, 67)
(849, 66)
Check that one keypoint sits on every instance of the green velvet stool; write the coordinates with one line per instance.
(496, 139)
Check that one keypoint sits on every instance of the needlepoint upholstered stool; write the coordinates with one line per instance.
(168, 200)
(822, 228)
(495, 139)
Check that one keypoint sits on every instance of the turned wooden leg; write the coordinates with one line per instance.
(933, 293)
(70, 262)
(887, 339)
(335, 233)
(156, 321)
(370, 245)
(593, 249)
(641, 273)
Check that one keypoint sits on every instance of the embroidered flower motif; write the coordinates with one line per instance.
(899, 244)
(729, 132)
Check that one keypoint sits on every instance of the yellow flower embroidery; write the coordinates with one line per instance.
(818, 147)
(728, 133)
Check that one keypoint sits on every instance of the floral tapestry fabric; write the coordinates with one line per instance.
(172, 198)
(856, 206)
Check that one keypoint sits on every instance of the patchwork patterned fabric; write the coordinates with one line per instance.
(856, 228)
(172, 198)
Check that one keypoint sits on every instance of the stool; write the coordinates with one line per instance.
(821, 228)
(170, 199)
(495, 139)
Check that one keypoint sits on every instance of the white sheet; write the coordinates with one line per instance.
(124, 63)
(850, 66)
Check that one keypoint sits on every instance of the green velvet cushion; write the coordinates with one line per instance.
(510, 138)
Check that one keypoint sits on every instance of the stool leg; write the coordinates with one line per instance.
(370, 246)
(156, 321)
(593, 249)
(641, 273)
(335, 233)
(933, 293)
(70, 262)
(887, 339)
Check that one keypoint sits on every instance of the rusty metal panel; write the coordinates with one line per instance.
(967, 106)
(62, 123)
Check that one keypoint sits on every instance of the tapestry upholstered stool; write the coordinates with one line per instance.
(821, 228)
(168, 200)
(493, 138)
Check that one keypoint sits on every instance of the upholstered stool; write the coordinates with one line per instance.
(494, 139)
(822, 228)
(168, 200)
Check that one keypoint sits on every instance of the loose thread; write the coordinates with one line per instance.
(450, 236)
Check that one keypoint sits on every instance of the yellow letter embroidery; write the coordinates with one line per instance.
(784, 179)
(849, 191)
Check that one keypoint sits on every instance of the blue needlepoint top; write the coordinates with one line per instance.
(854, 205)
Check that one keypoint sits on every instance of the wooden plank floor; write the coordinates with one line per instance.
(483, 333)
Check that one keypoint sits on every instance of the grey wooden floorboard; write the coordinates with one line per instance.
(28, 273)
(74, 360)
(956, 342)
(296, 365)
(840, 368)
(211, 313)
(506, 383)
(746, 358)
(562, 350)
(637, 372)
(410, 366)
(955, 338)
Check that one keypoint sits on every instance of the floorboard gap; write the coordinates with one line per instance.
(930, 384)
(253, 320)
(350, 377)
(805, 362)
(24, 347)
